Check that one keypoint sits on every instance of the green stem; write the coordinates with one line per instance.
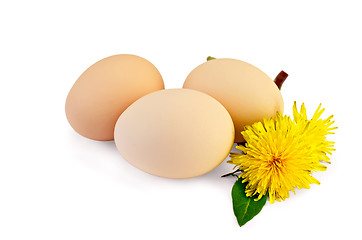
(232, 173)
(210, 58)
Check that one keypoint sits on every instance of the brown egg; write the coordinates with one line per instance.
(105, 90)
(246, 92)
(175, 133)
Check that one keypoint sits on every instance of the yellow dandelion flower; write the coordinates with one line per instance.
(280, 154)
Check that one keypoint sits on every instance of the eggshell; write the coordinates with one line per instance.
(175, 133)
(246, 92)
(105, 90)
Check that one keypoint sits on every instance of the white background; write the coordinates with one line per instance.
(55, 184)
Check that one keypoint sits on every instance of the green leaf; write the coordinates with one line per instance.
(245, 208)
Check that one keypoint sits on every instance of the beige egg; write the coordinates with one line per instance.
(175, 133)
(246, 92)
(105, 90)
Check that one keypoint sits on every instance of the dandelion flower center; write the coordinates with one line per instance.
(277, 162)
